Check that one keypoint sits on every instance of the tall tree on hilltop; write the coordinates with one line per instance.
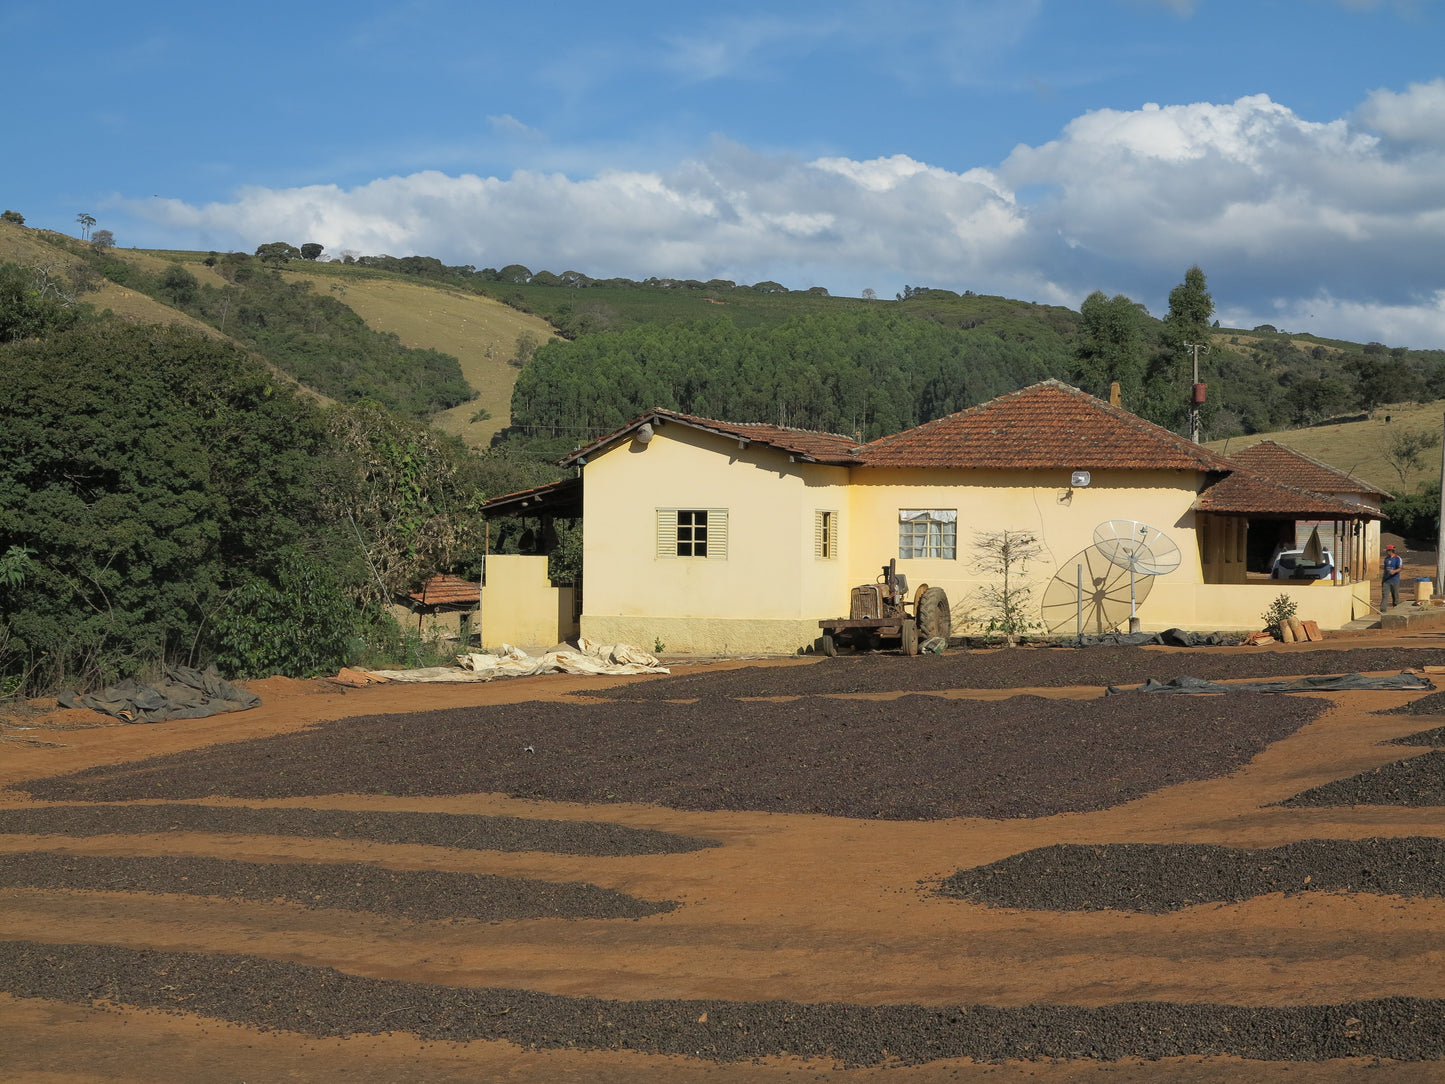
(1110, 347)
(1166, 391)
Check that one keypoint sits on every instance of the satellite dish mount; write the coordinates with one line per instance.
(1143, 550)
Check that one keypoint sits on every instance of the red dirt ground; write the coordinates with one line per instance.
(792, 906)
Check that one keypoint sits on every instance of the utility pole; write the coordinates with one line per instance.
(1440, 538)
(1196, 396)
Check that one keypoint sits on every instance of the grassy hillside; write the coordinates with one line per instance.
(1358, 447)
(480, 332)
(33, 248)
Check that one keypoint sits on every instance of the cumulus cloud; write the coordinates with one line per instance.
(1416, 116)
(1333, 227)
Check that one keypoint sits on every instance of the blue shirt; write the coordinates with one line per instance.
(1392, 568)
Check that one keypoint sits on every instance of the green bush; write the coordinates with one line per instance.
(299, 624)
(1415, 516)
(1278, 614)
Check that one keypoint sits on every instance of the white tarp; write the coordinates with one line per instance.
(589, 658)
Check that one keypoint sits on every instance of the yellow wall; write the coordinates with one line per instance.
(521, 607)
(1041, 503)
(769, 590)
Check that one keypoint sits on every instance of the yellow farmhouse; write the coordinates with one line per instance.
(716, 537)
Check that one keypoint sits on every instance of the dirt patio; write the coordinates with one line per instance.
(788, 912)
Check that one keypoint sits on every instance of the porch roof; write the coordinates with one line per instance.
(1291, 467)
(1243, 492)
(563, 498)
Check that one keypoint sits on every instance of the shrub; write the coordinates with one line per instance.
(1278, 614)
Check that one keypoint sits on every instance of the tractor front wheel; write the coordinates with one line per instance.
(910, 638)
(933, 615)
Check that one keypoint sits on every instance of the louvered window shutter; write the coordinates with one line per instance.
(667, 532)
(717, 534)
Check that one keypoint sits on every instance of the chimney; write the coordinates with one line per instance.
(1115, 398)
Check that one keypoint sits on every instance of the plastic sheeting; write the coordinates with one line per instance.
(1404, 680)
(1167, 638)
(184, 694)
(589, 658)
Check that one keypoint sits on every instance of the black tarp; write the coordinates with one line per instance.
(183, 694)
(1167, 638)
(1403, 681)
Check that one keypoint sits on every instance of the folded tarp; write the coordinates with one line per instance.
(1329, 684)
(589, 658)
(1167, 638)
(184, 694)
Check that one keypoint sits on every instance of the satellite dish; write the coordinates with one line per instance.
(1090, 595)
(1142, 549)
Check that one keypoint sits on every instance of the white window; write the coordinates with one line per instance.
(928, 532)
(825, 534)
(693, 532)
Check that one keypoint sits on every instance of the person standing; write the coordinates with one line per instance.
(1391, 588)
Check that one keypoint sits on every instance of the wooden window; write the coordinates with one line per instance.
(692, 532)
(825, 535)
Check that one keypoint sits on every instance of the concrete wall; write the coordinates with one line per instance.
(521, 607)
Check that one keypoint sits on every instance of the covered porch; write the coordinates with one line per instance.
(1242, 521)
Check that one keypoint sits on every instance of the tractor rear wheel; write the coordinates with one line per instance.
(933, 615)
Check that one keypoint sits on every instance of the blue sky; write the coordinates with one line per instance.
(1040, 149)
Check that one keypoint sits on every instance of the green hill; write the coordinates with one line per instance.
(611, 347)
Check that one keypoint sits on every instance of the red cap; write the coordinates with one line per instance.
(1389, 549)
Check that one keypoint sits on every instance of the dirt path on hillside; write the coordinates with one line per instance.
(790, 907)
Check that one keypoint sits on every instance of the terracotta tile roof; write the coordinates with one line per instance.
(1246, 493)
(1281, 463)
(447, 590)
(1046, 426)
(804, 443)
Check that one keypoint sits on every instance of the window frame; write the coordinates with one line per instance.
(671, 528)
(936, 541)
(825, 534)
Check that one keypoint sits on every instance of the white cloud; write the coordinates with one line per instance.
(1417, 116)
(1288, 217)
(507, 125)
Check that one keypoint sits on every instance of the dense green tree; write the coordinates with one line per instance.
(149, 471)
(179, 285)
(1111, 346)
(311, 250)
(410, 495)
(12, 216)
(1167, 381)
(277, 252)
(27, 312)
